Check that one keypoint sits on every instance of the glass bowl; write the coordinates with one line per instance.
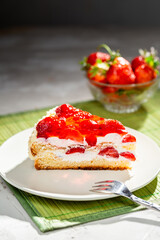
(123, 98)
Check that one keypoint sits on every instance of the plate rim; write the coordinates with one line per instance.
(69, 197)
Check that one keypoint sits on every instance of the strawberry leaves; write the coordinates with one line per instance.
(150, 57)
(99, 68)
(84, 64)
(94, 71)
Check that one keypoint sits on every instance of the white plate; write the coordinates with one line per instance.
(18, 170)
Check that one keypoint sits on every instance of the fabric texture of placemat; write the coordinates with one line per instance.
(49, 214)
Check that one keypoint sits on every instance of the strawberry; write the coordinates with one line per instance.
(120, 72)
(44, 127)
(92, 58)
(91, 139)
(145, 65)
(81, 115)
(72, 134)
(144, 73)
(111, 126)
(109, 90)
(49, 126)
(128, 155)
(97, 74)
(97, 64)
(113, 69)
(76, 149)
(88, 126)
(65, 110)
(137, 61)
(109, 151)
(128, 138)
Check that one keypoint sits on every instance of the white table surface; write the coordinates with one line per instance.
(38, 68)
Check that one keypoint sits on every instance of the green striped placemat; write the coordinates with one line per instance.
(49, 214)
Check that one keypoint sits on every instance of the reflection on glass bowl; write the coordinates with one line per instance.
(123, 98)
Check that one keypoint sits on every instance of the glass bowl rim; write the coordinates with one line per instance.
(123, 85)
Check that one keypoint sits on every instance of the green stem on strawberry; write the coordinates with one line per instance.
(84, 64)
(112, 54)
(151, 58)
(95, 70)
(106, 47)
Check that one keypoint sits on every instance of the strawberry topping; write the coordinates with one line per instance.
(72, 134)
(91, 140)
(111, 126)
(76, 149)
(65, 110)
(109, 151)
(128, 155)
(49, 126)
(88, 126)
(77, 125)
(128, 138)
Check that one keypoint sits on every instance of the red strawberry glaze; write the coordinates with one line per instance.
(50, 126)
(72, 134)
(128, 155)
(77, 125)
(109, 151)
(91, 140)
(128, 138)
(111, 126)
(65, 110)
(75, 149)
(88, 126)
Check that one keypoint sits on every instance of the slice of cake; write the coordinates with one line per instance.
(69, 138)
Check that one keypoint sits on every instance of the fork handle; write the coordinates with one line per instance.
(144, 203)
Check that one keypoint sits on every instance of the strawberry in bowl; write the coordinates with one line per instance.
(145, 66)
(119, 85)
(120, 72)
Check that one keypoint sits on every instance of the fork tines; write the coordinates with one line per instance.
(102, 187)
(107, 181)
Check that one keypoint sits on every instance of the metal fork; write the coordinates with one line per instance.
(119, 188)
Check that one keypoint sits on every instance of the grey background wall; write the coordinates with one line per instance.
(79, 12)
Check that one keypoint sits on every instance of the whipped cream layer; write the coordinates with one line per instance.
(55, 141)
(111, 138)
(88, 155)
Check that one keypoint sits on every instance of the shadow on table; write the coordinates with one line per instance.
(142, 220)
